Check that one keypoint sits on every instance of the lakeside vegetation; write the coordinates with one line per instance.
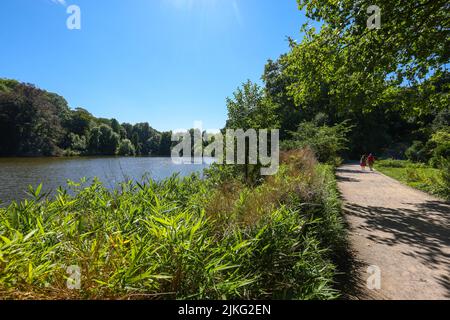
(180, 238)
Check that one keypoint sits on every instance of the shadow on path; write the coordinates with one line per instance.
(349, 280)
(424, 227)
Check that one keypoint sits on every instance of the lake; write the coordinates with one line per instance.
(16, 174)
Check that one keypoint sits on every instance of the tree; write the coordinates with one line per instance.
(440, 140)
(152, 145)
(126, 148)
(38, 122)
(115, 126)
(31, 119)
(385, 82)
(103, 140)
(411, 42)
(80, 122)
(166, 144)
(136, 143)
(109, 140)
(77, 143)
(249, 108)
(128, 129)
(277, 81)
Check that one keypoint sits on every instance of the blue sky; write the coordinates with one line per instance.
(166, 62)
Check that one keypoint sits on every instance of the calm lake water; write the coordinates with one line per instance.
(16, 174)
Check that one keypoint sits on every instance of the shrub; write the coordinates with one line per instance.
(412, 175)
(71, 153)
(441, 142)
(417, 152)
(445, 174)
(393, 163)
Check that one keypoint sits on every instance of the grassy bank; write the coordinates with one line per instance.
(180, 238)
(416, 175)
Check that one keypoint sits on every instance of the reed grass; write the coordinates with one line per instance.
(178, 239)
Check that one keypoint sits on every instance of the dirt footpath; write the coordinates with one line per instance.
(403, 232)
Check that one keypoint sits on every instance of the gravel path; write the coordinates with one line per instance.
(403, 232)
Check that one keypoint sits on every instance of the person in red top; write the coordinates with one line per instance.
(371, 161)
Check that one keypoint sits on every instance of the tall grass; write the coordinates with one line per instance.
(178, 239)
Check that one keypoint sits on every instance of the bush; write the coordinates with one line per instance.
(417, 152)
(441, 142)
(393, 163)
(71, 153)
(445, 168)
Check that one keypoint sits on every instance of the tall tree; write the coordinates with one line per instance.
(412, 40)
(31, 119)
(166, 144)
(249, 108)
(103, 140)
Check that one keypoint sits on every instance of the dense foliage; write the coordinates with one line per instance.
(391, 85)
(327, 142)
(347, 90)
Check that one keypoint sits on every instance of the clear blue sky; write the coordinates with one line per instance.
(166, 62)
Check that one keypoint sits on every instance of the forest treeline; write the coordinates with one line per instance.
(34, 122)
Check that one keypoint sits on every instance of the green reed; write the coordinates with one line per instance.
(167, 240)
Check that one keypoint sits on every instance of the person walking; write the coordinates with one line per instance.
(371, 161)
(363, 162)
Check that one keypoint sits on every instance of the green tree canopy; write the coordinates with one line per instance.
(126, 148)
(103, 140)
